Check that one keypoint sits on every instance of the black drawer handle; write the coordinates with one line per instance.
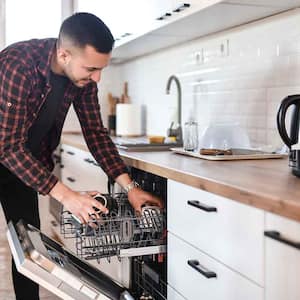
(71, 179)
(182, 7)
(202, 270)
(88, 160)
(202, 206)
(276, 235)
(70, 152)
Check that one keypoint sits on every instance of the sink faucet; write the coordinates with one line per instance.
(177, 132)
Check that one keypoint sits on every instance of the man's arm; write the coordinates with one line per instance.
(136, 196)
(80, 204)
(15, 90)
(104, 150)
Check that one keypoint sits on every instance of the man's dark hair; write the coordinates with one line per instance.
(84, 29)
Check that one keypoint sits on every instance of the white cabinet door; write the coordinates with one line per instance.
(173, 295)
(227, 230)
(80, 170)
(282, 258)
(196, 275)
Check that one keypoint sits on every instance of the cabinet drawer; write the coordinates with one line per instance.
(173, 295)
(282, 258)
(82, 166)
(229, 231)
(193, 285)
(70, 179)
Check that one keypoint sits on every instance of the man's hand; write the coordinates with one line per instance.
(137, 198)
(81, 204)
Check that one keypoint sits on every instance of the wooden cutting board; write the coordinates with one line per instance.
(242, 155)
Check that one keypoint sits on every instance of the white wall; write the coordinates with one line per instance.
(244, 83)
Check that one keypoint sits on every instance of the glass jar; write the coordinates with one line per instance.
(190, 141)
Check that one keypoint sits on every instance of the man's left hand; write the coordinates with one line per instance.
(138, 198)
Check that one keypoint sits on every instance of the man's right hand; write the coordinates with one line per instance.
(82, 205)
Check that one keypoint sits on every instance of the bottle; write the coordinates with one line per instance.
(190, 141)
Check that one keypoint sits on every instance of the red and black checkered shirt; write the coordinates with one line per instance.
(24, 86)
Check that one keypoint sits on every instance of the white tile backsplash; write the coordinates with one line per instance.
(239, 75)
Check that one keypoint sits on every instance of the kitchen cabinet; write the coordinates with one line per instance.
(203, 17)
(282, 258)
(80, 171)
(172, 294)
(230, 232)
(198, 276)
(266, 2)
(122, 17)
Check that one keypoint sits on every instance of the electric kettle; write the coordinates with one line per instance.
(291, 139)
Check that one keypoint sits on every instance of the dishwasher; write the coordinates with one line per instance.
(121, 234)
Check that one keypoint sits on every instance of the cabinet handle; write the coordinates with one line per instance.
(62, 166)
(276, 235)
(202, 270)
(202, 206)
(71, 179)
(163, 17)
(88, 160)
(70, 152)
(182, 7)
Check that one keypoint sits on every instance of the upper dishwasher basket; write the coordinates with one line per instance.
(120, 233)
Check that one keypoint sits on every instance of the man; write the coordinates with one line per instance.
(39, 80)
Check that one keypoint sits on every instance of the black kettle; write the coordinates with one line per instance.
(291, 139)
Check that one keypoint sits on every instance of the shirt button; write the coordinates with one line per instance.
(9, 104)
(42, 96)
(34, 114)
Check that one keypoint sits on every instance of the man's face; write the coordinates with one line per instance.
(82, 66)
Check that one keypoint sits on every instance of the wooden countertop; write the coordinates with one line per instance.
(266, 184)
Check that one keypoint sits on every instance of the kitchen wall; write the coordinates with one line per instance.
(239, 75)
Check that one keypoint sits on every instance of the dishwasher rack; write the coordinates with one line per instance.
(120, 233)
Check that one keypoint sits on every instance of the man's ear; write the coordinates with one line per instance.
(63, 55)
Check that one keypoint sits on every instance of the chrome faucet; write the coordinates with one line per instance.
(177, 132)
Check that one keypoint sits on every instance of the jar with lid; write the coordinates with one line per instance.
(190, 141)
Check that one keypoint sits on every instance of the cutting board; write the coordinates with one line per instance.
(244, 155)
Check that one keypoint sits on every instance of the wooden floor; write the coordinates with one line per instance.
(6, 288)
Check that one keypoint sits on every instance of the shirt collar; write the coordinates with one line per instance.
(44, 65)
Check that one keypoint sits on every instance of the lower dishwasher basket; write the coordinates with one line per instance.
(120, 233)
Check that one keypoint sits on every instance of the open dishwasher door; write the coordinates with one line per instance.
(50, 265)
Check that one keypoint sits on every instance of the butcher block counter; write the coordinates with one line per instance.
(267, 184)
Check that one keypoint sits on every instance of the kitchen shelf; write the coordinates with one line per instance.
(203, 18)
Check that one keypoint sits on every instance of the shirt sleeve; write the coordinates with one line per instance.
(96, 135)
(15, 90)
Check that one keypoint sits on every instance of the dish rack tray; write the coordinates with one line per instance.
(121, 233)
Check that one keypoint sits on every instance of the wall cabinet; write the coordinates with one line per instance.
(203, 17)
(282, 258)
(143, 26)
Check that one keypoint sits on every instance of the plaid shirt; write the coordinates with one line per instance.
(24, 86)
